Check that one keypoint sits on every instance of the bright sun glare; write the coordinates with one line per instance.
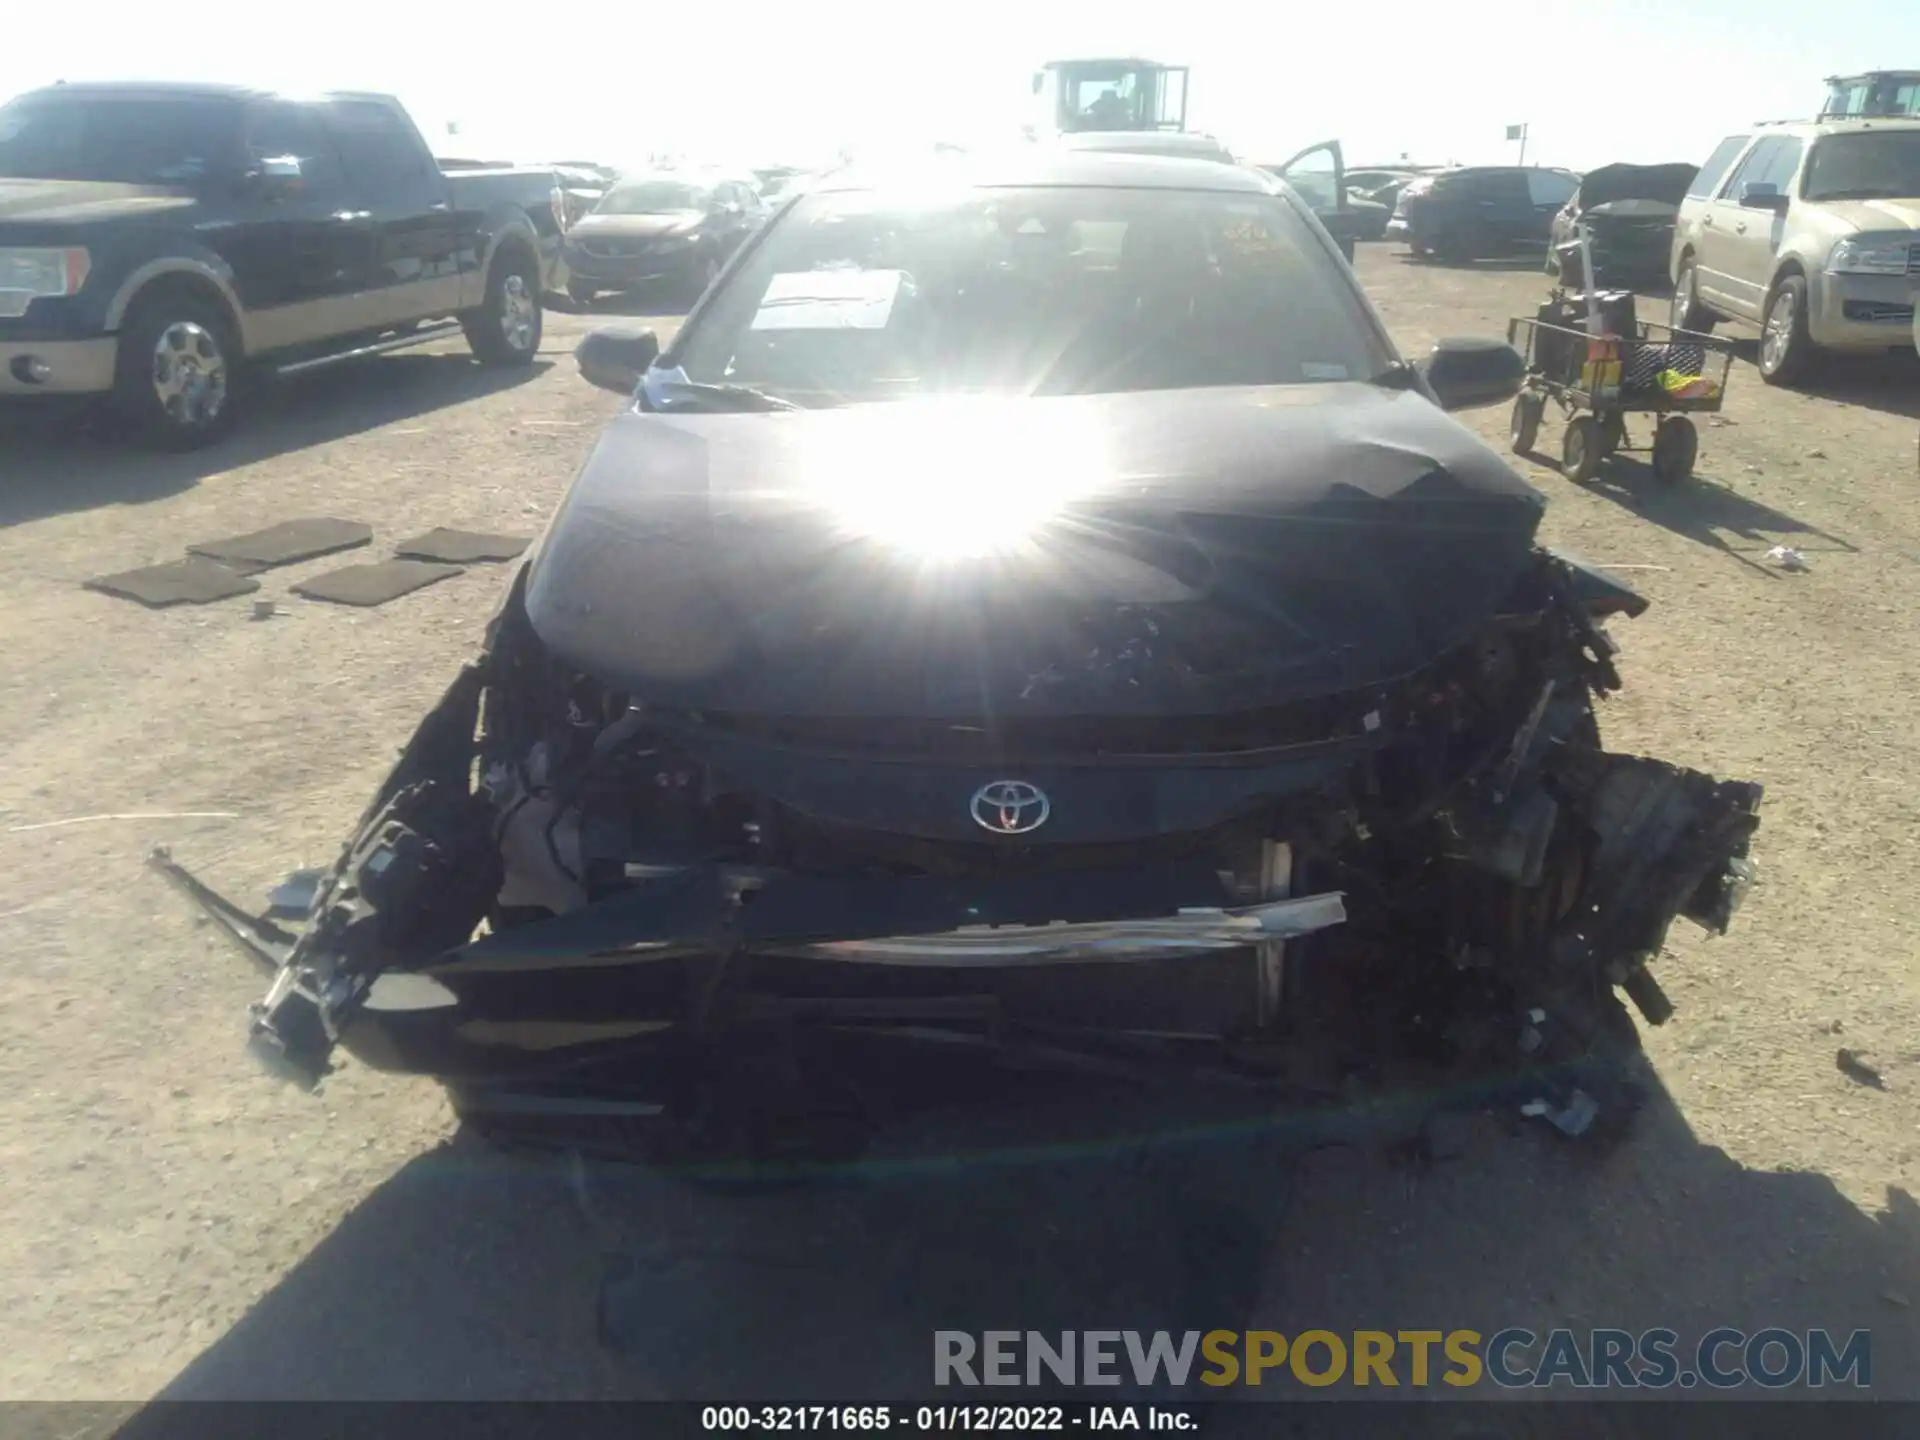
(956, 479)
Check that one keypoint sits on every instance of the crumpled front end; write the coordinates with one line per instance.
(577, 909)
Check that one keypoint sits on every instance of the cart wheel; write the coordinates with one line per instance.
(1524, 427)
(1580, 455)
(1675, 445)
(1613, 434)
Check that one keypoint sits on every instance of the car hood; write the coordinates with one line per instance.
(74, 202)
(1861, 217)
(636, 227)
(1664, 183)
(1157, 553)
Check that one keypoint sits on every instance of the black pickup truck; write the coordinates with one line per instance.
(163, 245)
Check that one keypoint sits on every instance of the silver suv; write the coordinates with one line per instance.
(1810, 231)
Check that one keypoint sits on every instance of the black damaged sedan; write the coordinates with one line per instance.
(1029, 621)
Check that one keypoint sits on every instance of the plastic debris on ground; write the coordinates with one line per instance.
(1787, 558)
(1576, 1118)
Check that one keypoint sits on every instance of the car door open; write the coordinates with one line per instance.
(1318, 174)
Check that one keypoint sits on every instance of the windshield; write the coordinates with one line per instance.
(653, 197)
(132, 140)
(1870, 165)
(869, 296)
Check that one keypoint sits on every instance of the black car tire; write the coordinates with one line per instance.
(1580, 449)
(1686, 312)
(1786, 349)
(1461, 246)
(1676, 444)
(1524, 426)
(506, 329)
(203, 335)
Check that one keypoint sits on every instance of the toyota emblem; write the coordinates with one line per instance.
(1010, 807)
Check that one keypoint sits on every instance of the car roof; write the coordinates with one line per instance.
(1045, 165)
(1177, 145)
(1838, 125)
(1453, 170)
(696, 179)
(192, 90)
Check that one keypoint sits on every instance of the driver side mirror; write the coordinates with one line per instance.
(614, 357)
(1757, 195)
(1466, 372)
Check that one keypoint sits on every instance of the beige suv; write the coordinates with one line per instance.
(1809, 231)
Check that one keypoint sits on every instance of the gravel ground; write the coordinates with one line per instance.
(171, 1222)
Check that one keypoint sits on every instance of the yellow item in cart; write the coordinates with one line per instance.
(1600, 376)
(1688, 387)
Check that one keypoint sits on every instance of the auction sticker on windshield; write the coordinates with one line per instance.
(829, 300)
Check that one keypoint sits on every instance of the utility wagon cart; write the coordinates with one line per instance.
(1632, 367)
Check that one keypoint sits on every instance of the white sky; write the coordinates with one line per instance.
(782, 83)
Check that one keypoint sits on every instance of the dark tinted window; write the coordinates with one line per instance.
(1716, 167)
(1781, 166)
(873, 296)
(1770, 162)
(279, 130)
(1550, 187)
(1868, 165)
(1502, 185)
(377, 148)
(133, 140)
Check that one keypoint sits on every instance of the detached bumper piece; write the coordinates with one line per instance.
(1191, 932)
(700, 951)
(1671, 842)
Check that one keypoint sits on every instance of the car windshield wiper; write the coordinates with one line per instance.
(719, 396)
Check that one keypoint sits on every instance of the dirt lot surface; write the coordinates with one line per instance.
(173, 1222)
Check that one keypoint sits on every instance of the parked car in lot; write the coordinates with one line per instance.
(1629, 212)
(160, 244)
(1480, 212)
(1033, 625)
(1810, 231)
(671, 227)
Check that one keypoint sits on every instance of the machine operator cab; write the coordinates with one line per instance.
(1875, 94)
(1081, 96)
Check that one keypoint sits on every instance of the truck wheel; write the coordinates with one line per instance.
(1786, 350)
(505, 330)
(177, 370)
(1686, 312)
